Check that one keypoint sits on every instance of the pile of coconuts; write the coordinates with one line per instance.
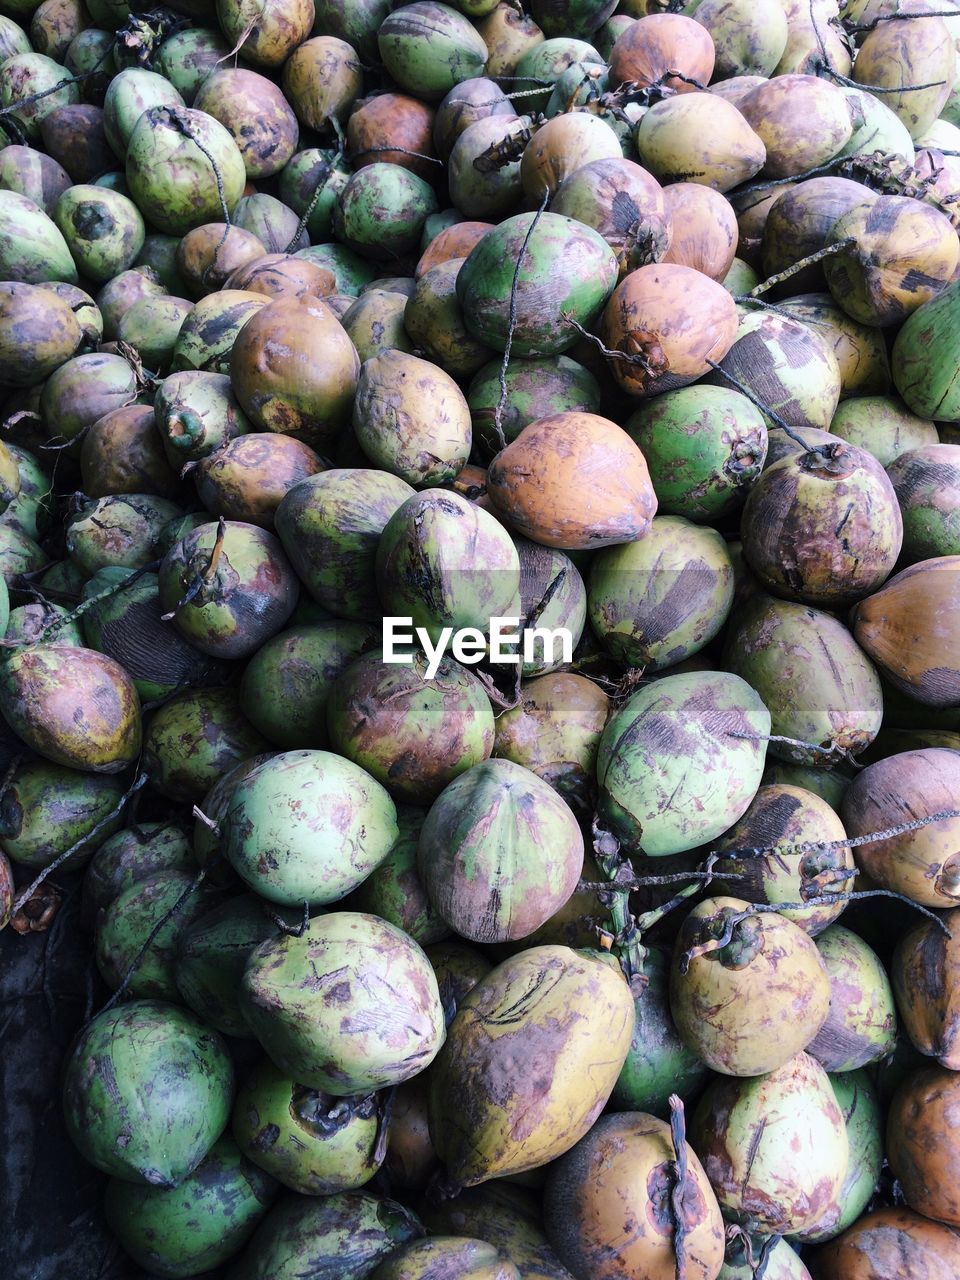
(635, 962)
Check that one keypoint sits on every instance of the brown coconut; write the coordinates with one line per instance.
(207, 255)
(923, 1143)
(247, 478)
(925, 974)
(659, 44)
(911, 630)
(890, 1244)
(923, 864)
(283, 275)
(669, 321)
(122, 452)
(704, 229)
(385, 129)
(798, 223)
(279, 381)
(574, 481)
(452, 242)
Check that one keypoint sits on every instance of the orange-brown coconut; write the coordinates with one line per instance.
(669, 321)
(573, 481)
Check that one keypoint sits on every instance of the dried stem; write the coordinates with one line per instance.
(512, 323)
(385, 1101)
(325, 171)
(138, 959)
(183, 126)
(849, 842)
(754, 399)
(292, 930)
(832, 750)
(808, 261)
(734, 918)
(26, 894)
(678, 1135)
(855, 28)
(879, 88)
(59, 622)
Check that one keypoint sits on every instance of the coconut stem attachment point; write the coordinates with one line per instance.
(202, 579)
(624, 938)
(385, 1102)
(678, 1135)
(628, 357)
(207, 821)
(290, 930)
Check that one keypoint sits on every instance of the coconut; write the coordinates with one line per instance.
(721, 992)
(895, 254)
(608, 1210)
(923, 864)
(703, 229)
(799, 223)
(802, 120)
(909, 53)
(664, 49)
(672, 142)
(861, 1026)
(925, 981)
(538, 483)
(774, 1147)
(780, 818)
(921, 1145)
(666, 323)
(911, 630)
(824, 526)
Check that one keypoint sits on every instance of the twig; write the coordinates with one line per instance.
(385, 1101)
(734, 918)
(325, 171)
(832, 750)
(291, 930)
(879, 88)
(138, 959)
(26, 894)
(755, 400)
(512, 323)
(848, 842)
(401, 151)
(64, 620)
(770, 183)
(810, 260)
(856, 27)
